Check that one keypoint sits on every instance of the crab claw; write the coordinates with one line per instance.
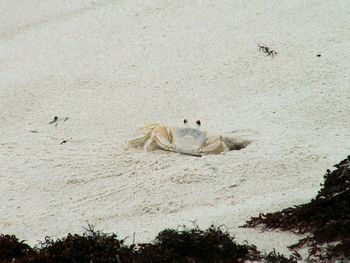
(215, 145)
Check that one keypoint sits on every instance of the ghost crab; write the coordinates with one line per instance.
(186, 140)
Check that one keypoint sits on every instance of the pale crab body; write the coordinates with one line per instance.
(192, 141)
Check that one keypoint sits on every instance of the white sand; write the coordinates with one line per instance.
(112, 66)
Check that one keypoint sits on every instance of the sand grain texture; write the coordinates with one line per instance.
(113, 66)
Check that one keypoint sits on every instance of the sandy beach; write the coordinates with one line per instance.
(106, 68)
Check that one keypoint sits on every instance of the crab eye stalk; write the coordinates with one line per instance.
(198, 122)
(185, 121)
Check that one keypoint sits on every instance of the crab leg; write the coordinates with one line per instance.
(215, 146)
(154, 136)
(141, 140)
(161, 136)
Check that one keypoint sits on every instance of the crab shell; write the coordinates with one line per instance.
(182, 140)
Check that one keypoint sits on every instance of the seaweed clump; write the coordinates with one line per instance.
(275, 257)
(326, 218)
(170, 246)
(11, 247)
(92, 246)
(195, 245)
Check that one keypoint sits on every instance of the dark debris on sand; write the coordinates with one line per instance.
(170, 246)
(326, 218)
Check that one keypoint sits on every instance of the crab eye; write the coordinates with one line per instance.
(185, 121)
(198, 123)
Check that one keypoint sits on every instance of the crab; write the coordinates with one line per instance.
(186, 140)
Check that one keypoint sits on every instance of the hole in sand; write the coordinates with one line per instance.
(235, 144)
